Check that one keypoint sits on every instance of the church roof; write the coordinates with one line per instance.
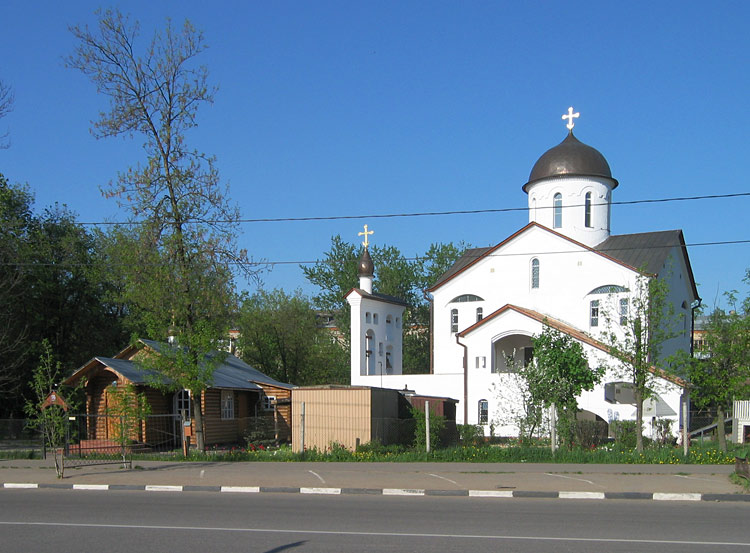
(643, 252)
(377, 296)
(646, 251)
(570, 158)
(366, 267)
(467, 258)
(565, 328)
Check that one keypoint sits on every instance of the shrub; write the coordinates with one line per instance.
(470, 434)
(437, 424)
(625, 433)
(663, 430)
(590, 434)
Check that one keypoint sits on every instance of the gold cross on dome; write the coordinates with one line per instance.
(366, 233)
(570, 117)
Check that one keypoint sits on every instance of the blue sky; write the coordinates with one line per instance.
(346, 108)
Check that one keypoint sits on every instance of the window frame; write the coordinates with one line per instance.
(557, 210)
(483, 412)
(594, 313)
(624, 310)
(226, 405)
(454, 320)
(535, 272)
(268, 402)
(587, 211)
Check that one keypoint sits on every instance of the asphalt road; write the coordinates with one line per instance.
(81, 522)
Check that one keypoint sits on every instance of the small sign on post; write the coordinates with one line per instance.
(55, 399)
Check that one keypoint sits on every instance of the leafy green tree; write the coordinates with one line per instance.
(50, 288)
(16, 221)
(721, 373)
(557, 376)
(637, 342)
(50, 420)
(395, 275)
(131, 408)
(280, 335)
(184, 248)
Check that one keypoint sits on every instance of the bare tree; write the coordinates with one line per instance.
(181, 260)
(7, 99)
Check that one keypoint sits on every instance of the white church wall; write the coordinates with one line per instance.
(505, 277)
(377, 328)
(573, 211)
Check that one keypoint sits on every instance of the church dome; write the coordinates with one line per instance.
(570, 158)
(366, 268)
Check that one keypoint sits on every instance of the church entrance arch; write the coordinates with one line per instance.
(511, 350)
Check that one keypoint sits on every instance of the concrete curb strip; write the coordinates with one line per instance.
(501, 494)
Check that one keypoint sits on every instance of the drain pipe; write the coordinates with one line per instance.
(430, 330)
(466, 380)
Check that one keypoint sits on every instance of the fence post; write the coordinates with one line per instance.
(302, 428)
(553, 427)
(427, 425)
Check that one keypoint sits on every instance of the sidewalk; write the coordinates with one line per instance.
(682, 482)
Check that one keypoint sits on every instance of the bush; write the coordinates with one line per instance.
(590, 434)
(663, 430)
(437, 424)
(470, 434)
(625, 433)
(260, 432)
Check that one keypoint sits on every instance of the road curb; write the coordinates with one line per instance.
(402, 492)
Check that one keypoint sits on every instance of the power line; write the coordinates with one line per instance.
(428, 213)
(416, 258)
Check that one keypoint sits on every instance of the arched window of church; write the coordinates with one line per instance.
(557, 210)
(587, 210)
(483, 415)
(594, 313)
(454, 320)
(480, 314)
(466, 297)
(535, 273)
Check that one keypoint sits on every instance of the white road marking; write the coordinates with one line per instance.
(444, 478)
(402, 491)
(326, 491)
(240, 489)
(581, 495)
(490, 493)
(318, 476)
(20, 485)
(626, 540)
(163, 488)
(572, 478)
(90, 486)
(677, 496)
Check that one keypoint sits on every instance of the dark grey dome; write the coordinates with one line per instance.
(568, 159)
(366, 268)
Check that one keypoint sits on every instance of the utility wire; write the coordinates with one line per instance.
(428, 213)
(416, 258)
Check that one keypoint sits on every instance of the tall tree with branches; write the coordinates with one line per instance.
(7, 99)
(636, 340)
(181, 260)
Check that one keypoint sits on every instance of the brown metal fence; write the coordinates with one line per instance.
(102, 439)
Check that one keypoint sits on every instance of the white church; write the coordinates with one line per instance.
(563, 269)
